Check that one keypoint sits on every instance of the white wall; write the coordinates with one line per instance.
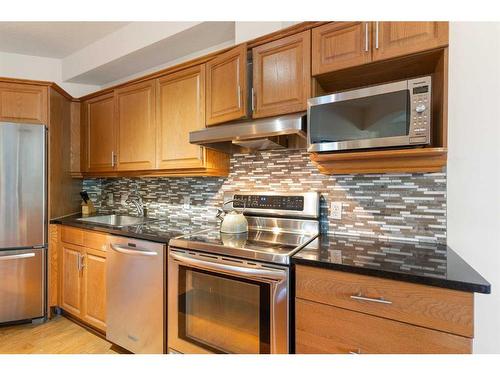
(245, 30)
(13, 65)
(474, 165)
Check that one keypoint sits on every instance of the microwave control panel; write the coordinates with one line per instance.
(420, 103)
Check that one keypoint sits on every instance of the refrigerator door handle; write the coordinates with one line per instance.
(16, 256)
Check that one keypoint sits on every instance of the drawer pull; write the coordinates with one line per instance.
(359, 297)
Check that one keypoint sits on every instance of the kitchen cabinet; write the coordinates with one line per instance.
(392, 39)
(180, 110)
(100, 133)
(226, 86)
(21, 102)
(135, 119)
(282, 75)
(71, 257)
(328, 329)
(83, 275)
(340, 312)
(94, 288)
(340, 45)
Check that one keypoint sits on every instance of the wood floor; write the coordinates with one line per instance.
(57, 336)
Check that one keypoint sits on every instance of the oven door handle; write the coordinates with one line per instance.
(277, 275)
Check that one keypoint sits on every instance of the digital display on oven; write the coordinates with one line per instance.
(273, 202)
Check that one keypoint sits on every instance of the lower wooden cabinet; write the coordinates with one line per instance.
(327, 329)
(83, 279)
(341, 312)
(71, 276)
(94, 288)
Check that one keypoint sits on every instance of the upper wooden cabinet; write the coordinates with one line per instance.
(23, 103)
(392, 39)
(339, 45)
(180, 110)
(226, 86)
(135, 118)
(100, 132)
(282, 75)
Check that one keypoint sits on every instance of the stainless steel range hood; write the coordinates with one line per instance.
(286, 131)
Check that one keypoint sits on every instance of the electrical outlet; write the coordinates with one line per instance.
(110, 199)
(187, 202)
(123, 199)
(336, 210)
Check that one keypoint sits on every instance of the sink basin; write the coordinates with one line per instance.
(117, 221)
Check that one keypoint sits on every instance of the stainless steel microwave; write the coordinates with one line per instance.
(389, 115)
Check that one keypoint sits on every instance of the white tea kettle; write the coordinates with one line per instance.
(233, 222)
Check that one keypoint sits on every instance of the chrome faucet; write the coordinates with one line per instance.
(136, 200)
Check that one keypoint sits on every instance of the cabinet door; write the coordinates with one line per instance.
(226, 86)
(401, 38)
(282, 75)
(180, 110)
(340, 45)
(71, 257)
(23, 103)
(100, 134)
(135, 117)
(94, 288)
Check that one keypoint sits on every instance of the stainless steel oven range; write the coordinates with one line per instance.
(230, 293)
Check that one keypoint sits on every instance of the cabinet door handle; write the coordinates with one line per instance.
(358, 351)
(112, 158)
(82, 263)
(239, 96)
(253, 99)
(359, 297)
(376, 35)
(366, 37)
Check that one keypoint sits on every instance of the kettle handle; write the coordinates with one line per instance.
(236, 200)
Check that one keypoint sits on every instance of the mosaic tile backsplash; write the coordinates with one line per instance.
(386, 206)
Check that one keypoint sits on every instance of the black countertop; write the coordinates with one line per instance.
(161, 230)
(417, 262)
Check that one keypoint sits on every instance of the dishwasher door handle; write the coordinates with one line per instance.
(132, 250)
(234, 270)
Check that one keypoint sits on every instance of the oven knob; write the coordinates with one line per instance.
(420, 108)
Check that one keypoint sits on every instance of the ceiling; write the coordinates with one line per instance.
(52, 39)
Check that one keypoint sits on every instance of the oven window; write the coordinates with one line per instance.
(223, 314)
(378, 116)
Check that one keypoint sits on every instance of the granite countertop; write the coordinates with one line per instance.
(161, 230)
(422, 263)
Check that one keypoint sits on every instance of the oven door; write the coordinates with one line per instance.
(224, 305)
(372, 117)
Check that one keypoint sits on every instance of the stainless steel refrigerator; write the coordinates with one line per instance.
(23, 221)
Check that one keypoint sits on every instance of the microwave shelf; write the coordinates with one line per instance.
(412, 160)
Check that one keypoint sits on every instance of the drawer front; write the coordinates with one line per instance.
(327, 329)
(438, 308)
(95, 240)
(72, 235)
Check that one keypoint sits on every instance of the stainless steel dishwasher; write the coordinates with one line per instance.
(136, 295)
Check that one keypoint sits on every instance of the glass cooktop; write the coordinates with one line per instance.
(271, 246)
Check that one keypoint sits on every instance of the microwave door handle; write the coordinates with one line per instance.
(234, 270)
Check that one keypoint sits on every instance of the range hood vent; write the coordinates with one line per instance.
(288, 131)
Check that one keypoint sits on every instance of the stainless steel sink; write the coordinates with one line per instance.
(117, 221)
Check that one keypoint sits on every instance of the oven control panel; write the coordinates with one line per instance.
(271, 202)
(275, 204)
